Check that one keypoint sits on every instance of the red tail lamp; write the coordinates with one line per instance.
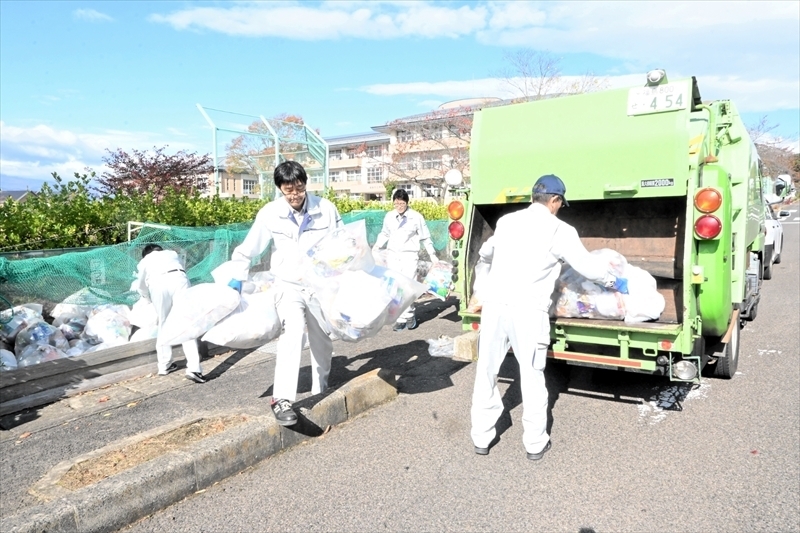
(455, 210)
(707, 226)
(456, 230)
(707, 200)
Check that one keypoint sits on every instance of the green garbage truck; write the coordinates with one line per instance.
(668, 180)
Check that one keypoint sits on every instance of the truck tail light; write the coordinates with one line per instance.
(707, 200)
(455, 210)
(707, 227)
(456, 230)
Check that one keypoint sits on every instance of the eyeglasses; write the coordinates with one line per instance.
(297, 191)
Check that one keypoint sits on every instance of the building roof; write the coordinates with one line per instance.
(15, 195)
(356, 138)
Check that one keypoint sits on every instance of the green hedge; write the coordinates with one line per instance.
(69, 215)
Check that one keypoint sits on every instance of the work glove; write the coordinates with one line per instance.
(618, 284)
(236, 285)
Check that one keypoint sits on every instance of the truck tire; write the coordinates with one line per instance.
(777, 259)
(725, 367)
(767, 262)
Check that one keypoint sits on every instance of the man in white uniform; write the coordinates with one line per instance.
(293, 223)
(525, 253)
(403, 231)
(160, 277)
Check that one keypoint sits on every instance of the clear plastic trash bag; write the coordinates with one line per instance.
(195, 311)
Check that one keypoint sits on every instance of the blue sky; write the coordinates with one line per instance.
(79, 77)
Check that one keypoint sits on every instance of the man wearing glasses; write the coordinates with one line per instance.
(403, 231)
(293, 224)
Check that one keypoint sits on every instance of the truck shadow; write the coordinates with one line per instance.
(594, 384)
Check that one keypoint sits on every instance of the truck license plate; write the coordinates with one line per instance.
(659, 99)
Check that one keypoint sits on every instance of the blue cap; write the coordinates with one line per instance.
(552, 185)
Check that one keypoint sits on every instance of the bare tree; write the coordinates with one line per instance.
(776, 157)
(427, 146)
(533, 75)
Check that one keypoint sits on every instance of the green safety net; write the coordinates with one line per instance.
(104, 274)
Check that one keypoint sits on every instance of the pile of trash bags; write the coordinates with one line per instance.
(27, 338)
(351, 295)
(577, 297)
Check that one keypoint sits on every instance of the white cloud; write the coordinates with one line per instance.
(91, 15)
(750, 95)
(37, 151)
(332, 20)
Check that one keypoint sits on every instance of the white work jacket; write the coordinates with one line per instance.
(290, 238)
(404, 233)
(155, 264)
(525, 251)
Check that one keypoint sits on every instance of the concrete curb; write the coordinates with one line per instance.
(117, 501)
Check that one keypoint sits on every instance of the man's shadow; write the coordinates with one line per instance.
(557, 382)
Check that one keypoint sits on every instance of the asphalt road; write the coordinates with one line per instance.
(630, 452)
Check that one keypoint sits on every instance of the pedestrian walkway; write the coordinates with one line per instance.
(37, 442)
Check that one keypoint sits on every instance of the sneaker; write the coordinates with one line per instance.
(171, 368)
(282, 409)
(399, 326)
(481, 451)
(538, 456)
(412, 324)
(197, 377)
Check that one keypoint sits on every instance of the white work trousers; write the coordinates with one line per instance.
(162, 291)
(293, 309)
(528, 334)
(406, 264)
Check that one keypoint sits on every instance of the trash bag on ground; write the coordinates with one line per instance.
(73, 326)
(20, 317)
(444, 346)
(82, 301)
(344, 249)
(33, 354)
(109, 324)
(39, 334)
(8, 361)
(481, 272)
(195, 311)
(252, 324)
(439, 279)
(577, 297)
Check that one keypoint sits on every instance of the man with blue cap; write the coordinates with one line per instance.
(525, 253)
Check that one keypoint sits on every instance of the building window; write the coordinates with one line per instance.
(249, 186)
(431, 191)
(374, 151)
(315, 177)
(374, 175)
(405, 136)
(409, 188)
(335, 155)
(356, 196)
(354, 175)
(334, 175)
(430, 160)
(408, 162)
(353, 153)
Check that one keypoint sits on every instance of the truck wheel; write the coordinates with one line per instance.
(767, 262)
(777, 259)
(725, 367)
